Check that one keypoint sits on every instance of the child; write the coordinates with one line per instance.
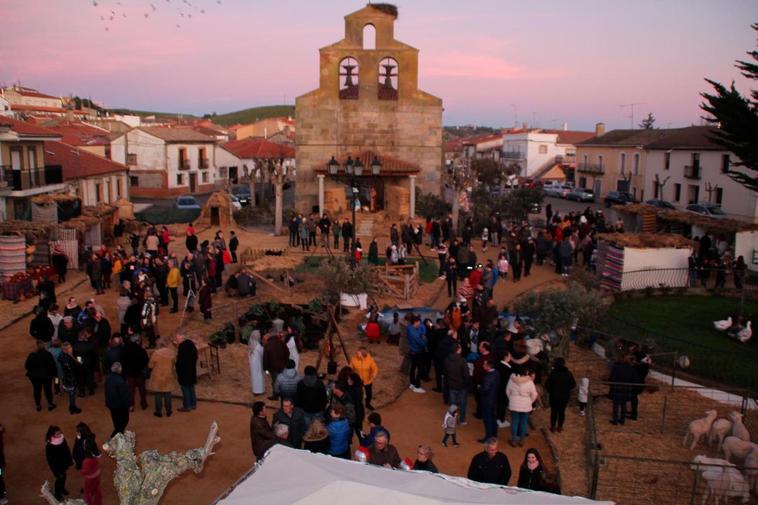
(450, 423)
(584, 389)
(485, 239)
(375, 425)
(91, 473)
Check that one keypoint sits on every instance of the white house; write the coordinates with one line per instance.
(167, 161)
(535, 151)
(687, 167)
(94, 179)
(5, 107)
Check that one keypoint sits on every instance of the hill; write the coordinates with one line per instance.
(254, 114)
(145, 113)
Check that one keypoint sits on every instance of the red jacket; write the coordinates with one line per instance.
(373, 332)
(475, 278)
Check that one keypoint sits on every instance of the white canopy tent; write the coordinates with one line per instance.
(290, 476)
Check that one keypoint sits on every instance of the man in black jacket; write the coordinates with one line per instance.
(117, 398)
(41, 328)
(134, 365)
(41, 369)
(488, 399)
(445, 346)
(186, 371)
(490, 466)
(234, 243)
(622, 375)
(347, 234)
(559, 384)
(311, 395)
(294, 418)
(458, 381)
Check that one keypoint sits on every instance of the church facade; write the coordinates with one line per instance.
(368, 106)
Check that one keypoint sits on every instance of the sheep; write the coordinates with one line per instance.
(720, 429)
(751, 470)
(736, 449)
(738, 428)
(722, 478)
(699, 427)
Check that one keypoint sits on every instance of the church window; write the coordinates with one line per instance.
(388, 70)
(348, 79)
(369, 37)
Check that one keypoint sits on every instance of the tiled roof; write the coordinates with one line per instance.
(40, 108)
(76, 133)
(24, 129)
(79, 163)
(207, 130)
(390, 165)
(571, 137)
(258, 148)
(176, 134)
(480, 139)
(623, 138)
(693, 137)
(32, 93)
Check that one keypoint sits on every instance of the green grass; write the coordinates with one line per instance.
(427, 271)
(254, 114)
(144, 113)
(685, 324)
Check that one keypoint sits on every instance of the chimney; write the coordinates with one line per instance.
(599, 129)
(565, 127)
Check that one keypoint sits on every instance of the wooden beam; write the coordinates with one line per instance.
(268, 282)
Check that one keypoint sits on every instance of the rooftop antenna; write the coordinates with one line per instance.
(631, 112)
(515, 115)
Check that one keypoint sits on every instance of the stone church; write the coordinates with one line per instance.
(368, 106)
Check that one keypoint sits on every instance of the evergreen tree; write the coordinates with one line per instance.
(649, 122)
(737, 118)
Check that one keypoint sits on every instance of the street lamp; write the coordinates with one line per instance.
(353, 169)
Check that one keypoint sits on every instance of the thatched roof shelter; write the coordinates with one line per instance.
(689, 218)
(217, 211)
(647, 240)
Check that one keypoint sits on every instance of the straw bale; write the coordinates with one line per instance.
(647, 240)
(690, 218)
(51, 198)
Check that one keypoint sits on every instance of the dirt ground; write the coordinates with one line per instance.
(413, 419)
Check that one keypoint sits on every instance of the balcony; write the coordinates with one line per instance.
(204, 163)
(184, 164)
(512, 155)
(692, 171)
(21, 180)
(591, 168)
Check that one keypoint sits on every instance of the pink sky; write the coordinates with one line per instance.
(492, 62)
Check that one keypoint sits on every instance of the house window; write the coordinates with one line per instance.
(696, 161)
(666, 160)
(118, 187)
(677, 192)
(636, 164)
(222, 172)
(388, 70)
(134, 181)
(622, 163)
(719, 195)
(585, 160)
(725, 163)
(543, 149)
(600, 161)
(655, 189)
(184, 163)
(32, 156)
(205, 176)
(202, 159)
(97, 192)
(348, 74)
(582, 182)
(693, 193)
(131, 159)
(179, 179)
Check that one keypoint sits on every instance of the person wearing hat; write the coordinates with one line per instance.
(316, 438)
(450, 425)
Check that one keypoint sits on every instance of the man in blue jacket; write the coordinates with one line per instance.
(416, 334)
(488, 399)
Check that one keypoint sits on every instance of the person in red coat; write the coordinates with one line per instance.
(91, 473)
(373, 331)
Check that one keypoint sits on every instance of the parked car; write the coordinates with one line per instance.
(552, 188)
(236, 204)
(187, 202)
(581, 195)
(661, 204)
(707, 209)
(618, 198)
(243, 194)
